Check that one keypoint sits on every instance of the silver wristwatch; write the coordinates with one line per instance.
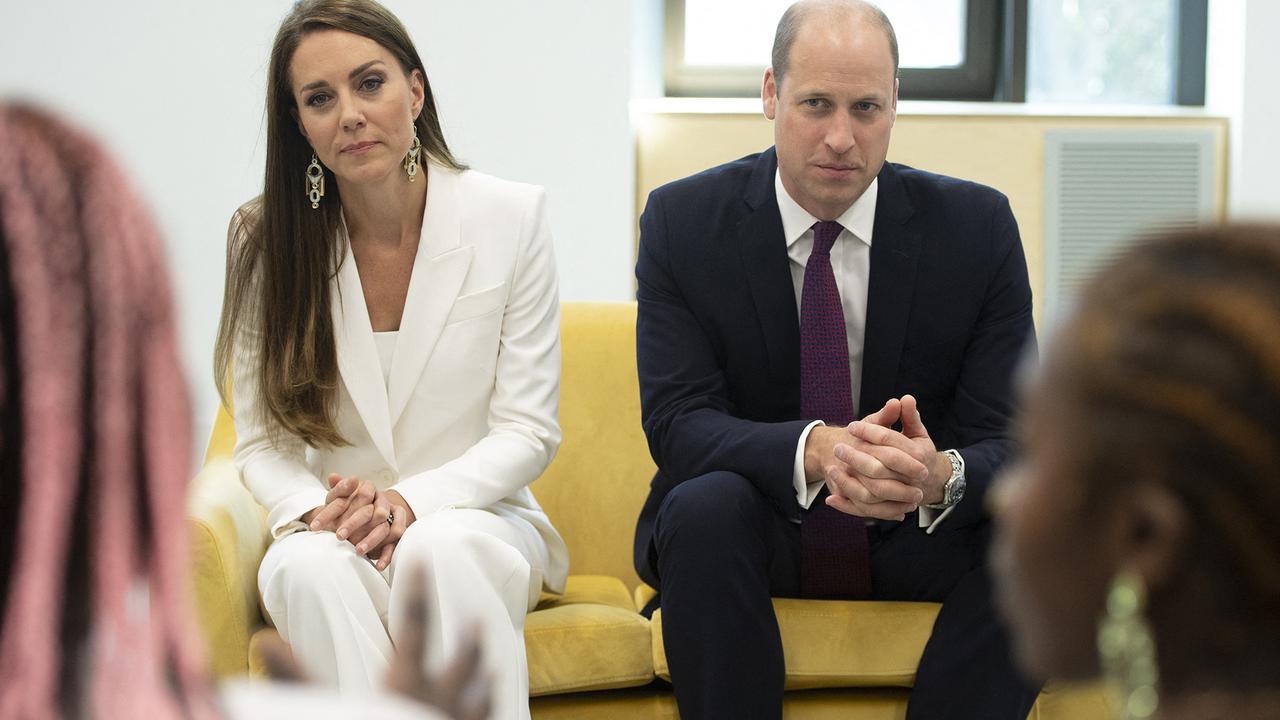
(953, 491)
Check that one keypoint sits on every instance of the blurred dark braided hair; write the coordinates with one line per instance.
(1173, 361)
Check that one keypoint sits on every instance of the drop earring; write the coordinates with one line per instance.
(1127, 650)
(315, 182)
(411, 160)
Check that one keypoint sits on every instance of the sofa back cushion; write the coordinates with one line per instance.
(600, 477)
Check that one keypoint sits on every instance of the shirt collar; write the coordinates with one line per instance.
(858, 219)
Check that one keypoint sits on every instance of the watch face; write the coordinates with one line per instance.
(955, 491)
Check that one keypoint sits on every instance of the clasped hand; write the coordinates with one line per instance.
(875, 471)
(357, 511)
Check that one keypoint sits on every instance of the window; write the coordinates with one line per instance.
(1104, 51)
(721, 47)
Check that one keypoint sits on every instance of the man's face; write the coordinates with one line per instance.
(832, 111)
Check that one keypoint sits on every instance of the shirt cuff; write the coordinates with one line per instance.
(931, 519)
(286, 517)
(805, 491)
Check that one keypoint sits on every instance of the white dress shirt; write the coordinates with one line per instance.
(386, 344)
(851, 263)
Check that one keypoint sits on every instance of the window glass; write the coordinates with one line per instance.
(719, 33)
(1101, 51)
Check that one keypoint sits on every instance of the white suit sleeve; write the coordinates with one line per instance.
(276, 473)
(524, 431)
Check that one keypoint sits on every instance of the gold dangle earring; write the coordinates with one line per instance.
(1127, 649)
(315, 182)
(411, 160)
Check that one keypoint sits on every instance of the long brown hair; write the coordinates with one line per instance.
(282, 254)
(1172, 367)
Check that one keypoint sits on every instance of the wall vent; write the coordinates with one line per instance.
(1104, 190)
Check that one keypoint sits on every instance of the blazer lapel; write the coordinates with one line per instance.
(358, 361)
(767, 267)
(895, 248)
(440, 267)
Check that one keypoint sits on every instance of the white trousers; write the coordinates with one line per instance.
(340, 615)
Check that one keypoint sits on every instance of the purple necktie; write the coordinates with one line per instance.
(834, 555)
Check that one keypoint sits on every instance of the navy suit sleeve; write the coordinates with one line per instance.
(689, 417)
(982, 411)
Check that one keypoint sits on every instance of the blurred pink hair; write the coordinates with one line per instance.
(104, 413)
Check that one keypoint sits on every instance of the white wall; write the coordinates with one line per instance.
(537, 92)
(1241, 84)
(1256, 192)
(531, 91)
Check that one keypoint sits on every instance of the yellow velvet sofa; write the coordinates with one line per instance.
(591, 655)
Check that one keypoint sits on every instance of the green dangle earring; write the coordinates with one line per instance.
(1127, 649)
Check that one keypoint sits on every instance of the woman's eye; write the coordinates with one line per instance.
(371, 83)
(317, 100)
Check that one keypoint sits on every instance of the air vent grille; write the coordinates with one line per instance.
(1106, 189)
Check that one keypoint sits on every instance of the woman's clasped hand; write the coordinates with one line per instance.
(370, 519)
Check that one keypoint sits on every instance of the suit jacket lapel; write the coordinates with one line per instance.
(768, 270)
(438, 271)
(358, 361)
(895, 248)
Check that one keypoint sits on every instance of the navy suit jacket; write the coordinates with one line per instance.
(718, 340)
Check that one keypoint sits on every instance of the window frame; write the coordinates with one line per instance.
(1192, 54)
(995, 67)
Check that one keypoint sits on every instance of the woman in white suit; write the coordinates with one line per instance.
(390, 327)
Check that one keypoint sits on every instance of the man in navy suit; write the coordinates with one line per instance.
(780, 293)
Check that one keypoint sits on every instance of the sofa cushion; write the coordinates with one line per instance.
(590, 638)
(832, 643)
(595, 486)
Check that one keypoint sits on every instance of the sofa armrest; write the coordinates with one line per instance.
(228, 538)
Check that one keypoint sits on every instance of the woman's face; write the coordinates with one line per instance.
(1049, 556)
(355, 104)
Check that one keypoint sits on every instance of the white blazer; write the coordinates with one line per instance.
(469, 416)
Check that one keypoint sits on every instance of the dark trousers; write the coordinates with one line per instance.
(719, 553)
